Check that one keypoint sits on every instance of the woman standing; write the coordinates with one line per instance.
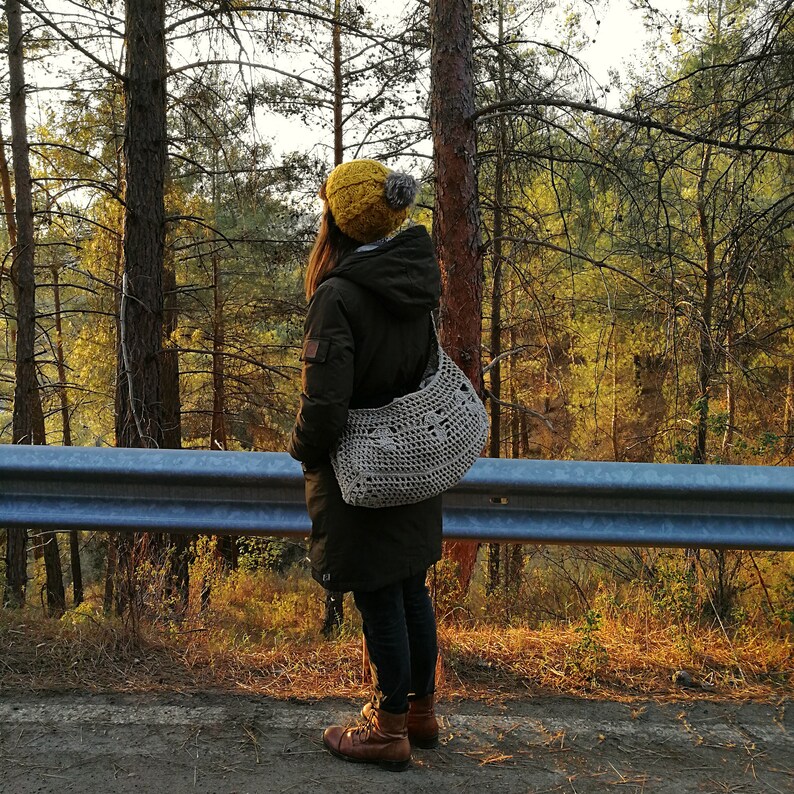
(366, 341)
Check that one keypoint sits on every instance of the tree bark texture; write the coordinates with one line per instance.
(16, 547)
(139, 410)
(63, 397)
(74, 536)
(496, 566)
(8, 196)
(28, 417)
(218, 429)
(172, 416)
(139, 390)
(615, 421)
(22, 273)
(706, 361)
(456, 217)
(788, 415)
(337, 53)
(179, 545)
(334, 602)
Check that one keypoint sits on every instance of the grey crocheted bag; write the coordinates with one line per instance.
(416, 446)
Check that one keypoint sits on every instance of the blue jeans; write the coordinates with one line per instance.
(400, 629)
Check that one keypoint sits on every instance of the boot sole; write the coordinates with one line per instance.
(425, 744)
(391, 766)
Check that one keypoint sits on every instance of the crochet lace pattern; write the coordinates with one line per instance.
(416, 446)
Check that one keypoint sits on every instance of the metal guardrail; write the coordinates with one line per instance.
(528, 501)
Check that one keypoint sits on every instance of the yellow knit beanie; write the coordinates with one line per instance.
(368, 200)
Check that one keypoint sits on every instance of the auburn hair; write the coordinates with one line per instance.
(330, 247)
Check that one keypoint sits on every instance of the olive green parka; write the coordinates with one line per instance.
(366, 341)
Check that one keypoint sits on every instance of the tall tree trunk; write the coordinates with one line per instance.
(729, 353)
(28, 417)
(495, 561)
(788, 416)
(225, 545)
(16, 547)
(515, 416)
(63, 397)
(115, 539)
(705, 368)
(74, 535)
(337, 56)
(8, 196)
(172, 414)
(730, 396)
(615, 412)
(22, 268)
(456, 217)
(139, 421)
(179, 545)
(707, 348)
(335, 601)
(139, 390)
(707, 354)
(218, 428)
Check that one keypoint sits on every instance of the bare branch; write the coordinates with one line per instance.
(66, 37)
(499, 108)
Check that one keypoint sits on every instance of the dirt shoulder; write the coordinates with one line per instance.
(228, 744)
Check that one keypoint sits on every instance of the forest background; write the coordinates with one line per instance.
(618, 282)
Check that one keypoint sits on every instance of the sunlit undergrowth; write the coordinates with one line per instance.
(259, 633)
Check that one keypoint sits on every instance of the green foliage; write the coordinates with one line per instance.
(589, 654)
(269, 554)
(674, 590)
(785, 610)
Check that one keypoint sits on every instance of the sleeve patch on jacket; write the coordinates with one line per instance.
(315, 350)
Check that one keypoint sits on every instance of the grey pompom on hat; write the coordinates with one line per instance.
(400, 190)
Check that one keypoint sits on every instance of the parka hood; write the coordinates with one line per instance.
(402, 272)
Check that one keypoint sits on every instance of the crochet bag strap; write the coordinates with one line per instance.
(434, 345)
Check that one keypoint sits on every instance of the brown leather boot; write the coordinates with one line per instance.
(381, 740)
(422, 722)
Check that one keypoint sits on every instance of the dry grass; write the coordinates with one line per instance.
(260, 635)
(489, 661)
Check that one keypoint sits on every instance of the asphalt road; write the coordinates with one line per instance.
(227, 744)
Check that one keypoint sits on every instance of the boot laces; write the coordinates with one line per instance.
(363, 728)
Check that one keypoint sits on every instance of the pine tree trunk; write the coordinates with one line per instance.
(8, 196)
(139, 416)
(218, 428)
(334, 601)
(337, 54)
(74, 535)
(705, 368)
(498, 564)
(614, 428)
(139, 391)
(63, 397)
(28, 417)
(16, 546)
(456, 217)
(179, 545)
(172, 415)
(515, 416)
(115, 539)
(730, 396)
(788, 417)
